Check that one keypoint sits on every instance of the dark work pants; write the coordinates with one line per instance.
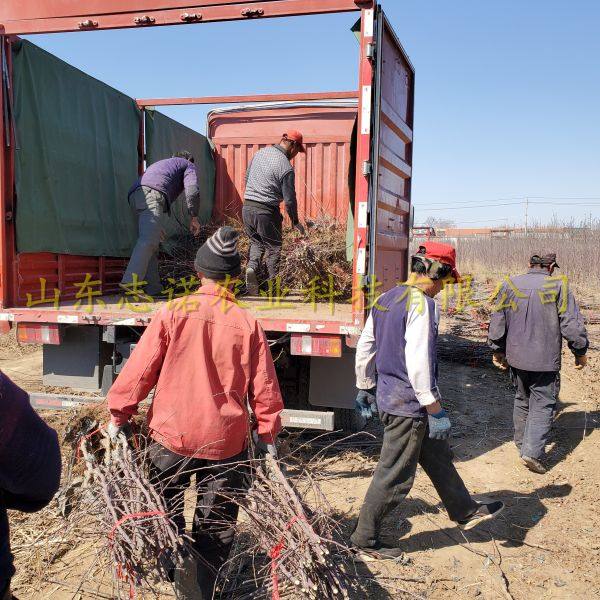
(536, 395)
(406, 443)
(264, 229)
(214, 515)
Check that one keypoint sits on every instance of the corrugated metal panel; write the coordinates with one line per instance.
(321, 174)
(63, 272)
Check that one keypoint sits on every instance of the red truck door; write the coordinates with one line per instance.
(392, 158)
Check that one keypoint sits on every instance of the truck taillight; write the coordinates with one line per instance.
(38, 333)
(316, 345)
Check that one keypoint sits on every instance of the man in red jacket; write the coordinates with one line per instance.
(210, 362)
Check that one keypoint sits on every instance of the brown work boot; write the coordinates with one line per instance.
(533, 464)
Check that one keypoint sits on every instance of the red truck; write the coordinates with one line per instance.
(357, 169)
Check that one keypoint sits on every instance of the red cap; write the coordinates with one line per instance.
(444, 253)
(296, 136)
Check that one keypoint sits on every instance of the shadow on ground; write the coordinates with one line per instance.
(523, 512)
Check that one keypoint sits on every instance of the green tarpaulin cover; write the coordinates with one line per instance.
(164, 137)
(76, 158)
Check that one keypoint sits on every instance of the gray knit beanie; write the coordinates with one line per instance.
(218, 256)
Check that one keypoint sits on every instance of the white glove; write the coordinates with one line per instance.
(114, 431)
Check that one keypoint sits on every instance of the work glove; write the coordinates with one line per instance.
(580, 362)
(300, 228)
(195, 226)
(115, 431)
(366, 404)
(262, 448)
(439, 425)
(499, 360)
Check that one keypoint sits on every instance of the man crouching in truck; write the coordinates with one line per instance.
(29, 467)
(151, 196)
(269, 180)
(205, 355)
(396, 370)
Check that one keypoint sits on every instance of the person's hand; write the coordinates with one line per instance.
(499, 360)
(263, 448)
(195, 226)
(300, 228)
(115, 431)
(365, 403)
(581, 362)
(439, 425)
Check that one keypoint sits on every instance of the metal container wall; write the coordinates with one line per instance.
(321, 173)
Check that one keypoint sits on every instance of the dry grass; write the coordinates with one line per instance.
(314, 262)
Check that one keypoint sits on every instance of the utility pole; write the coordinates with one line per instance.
(526, 215)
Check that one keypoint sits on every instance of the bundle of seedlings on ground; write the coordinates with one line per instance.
(141, 539)
(290, 526)
(315, 264)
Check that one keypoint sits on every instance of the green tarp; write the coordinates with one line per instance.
(164, 137)
(76, 158)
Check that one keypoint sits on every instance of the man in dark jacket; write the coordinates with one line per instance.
(29, 467)
(269, 180)
(534, 312)
(396, 370)
(151, 196)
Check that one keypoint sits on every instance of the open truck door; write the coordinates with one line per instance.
(391, 161)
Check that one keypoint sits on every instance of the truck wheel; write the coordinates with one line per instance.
(349, 420)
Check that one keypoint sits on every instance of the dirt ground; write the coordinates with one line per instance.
(546, 544)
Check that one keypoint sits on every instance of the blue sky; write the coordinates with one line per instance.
(507, 92)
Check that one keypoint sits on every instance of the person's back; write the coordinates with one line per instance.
(212, 366)
(533, 313)
(265, 176)
(150, 197)
(204, 353)
(270, 178)
(169, 176)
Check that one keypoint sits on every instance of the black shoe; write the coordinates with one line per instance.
(484, 512)
(533, 464)
(251, 282)
(378, 552)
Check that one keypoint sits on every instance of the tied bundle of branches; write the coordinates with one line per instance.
(298, 540)
(317, 261)
(141, 540)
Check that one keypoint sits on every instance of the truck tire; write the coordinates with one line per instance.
(349, 420)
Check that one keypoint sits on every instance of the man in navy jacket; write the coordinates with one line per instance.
(29, 466)
(396, 370)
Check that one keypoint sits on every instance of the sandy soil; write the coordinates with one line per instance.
(547, 542)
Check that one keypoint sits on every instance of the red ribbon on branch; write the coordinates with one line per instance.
(275, 553)
(138, 515)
